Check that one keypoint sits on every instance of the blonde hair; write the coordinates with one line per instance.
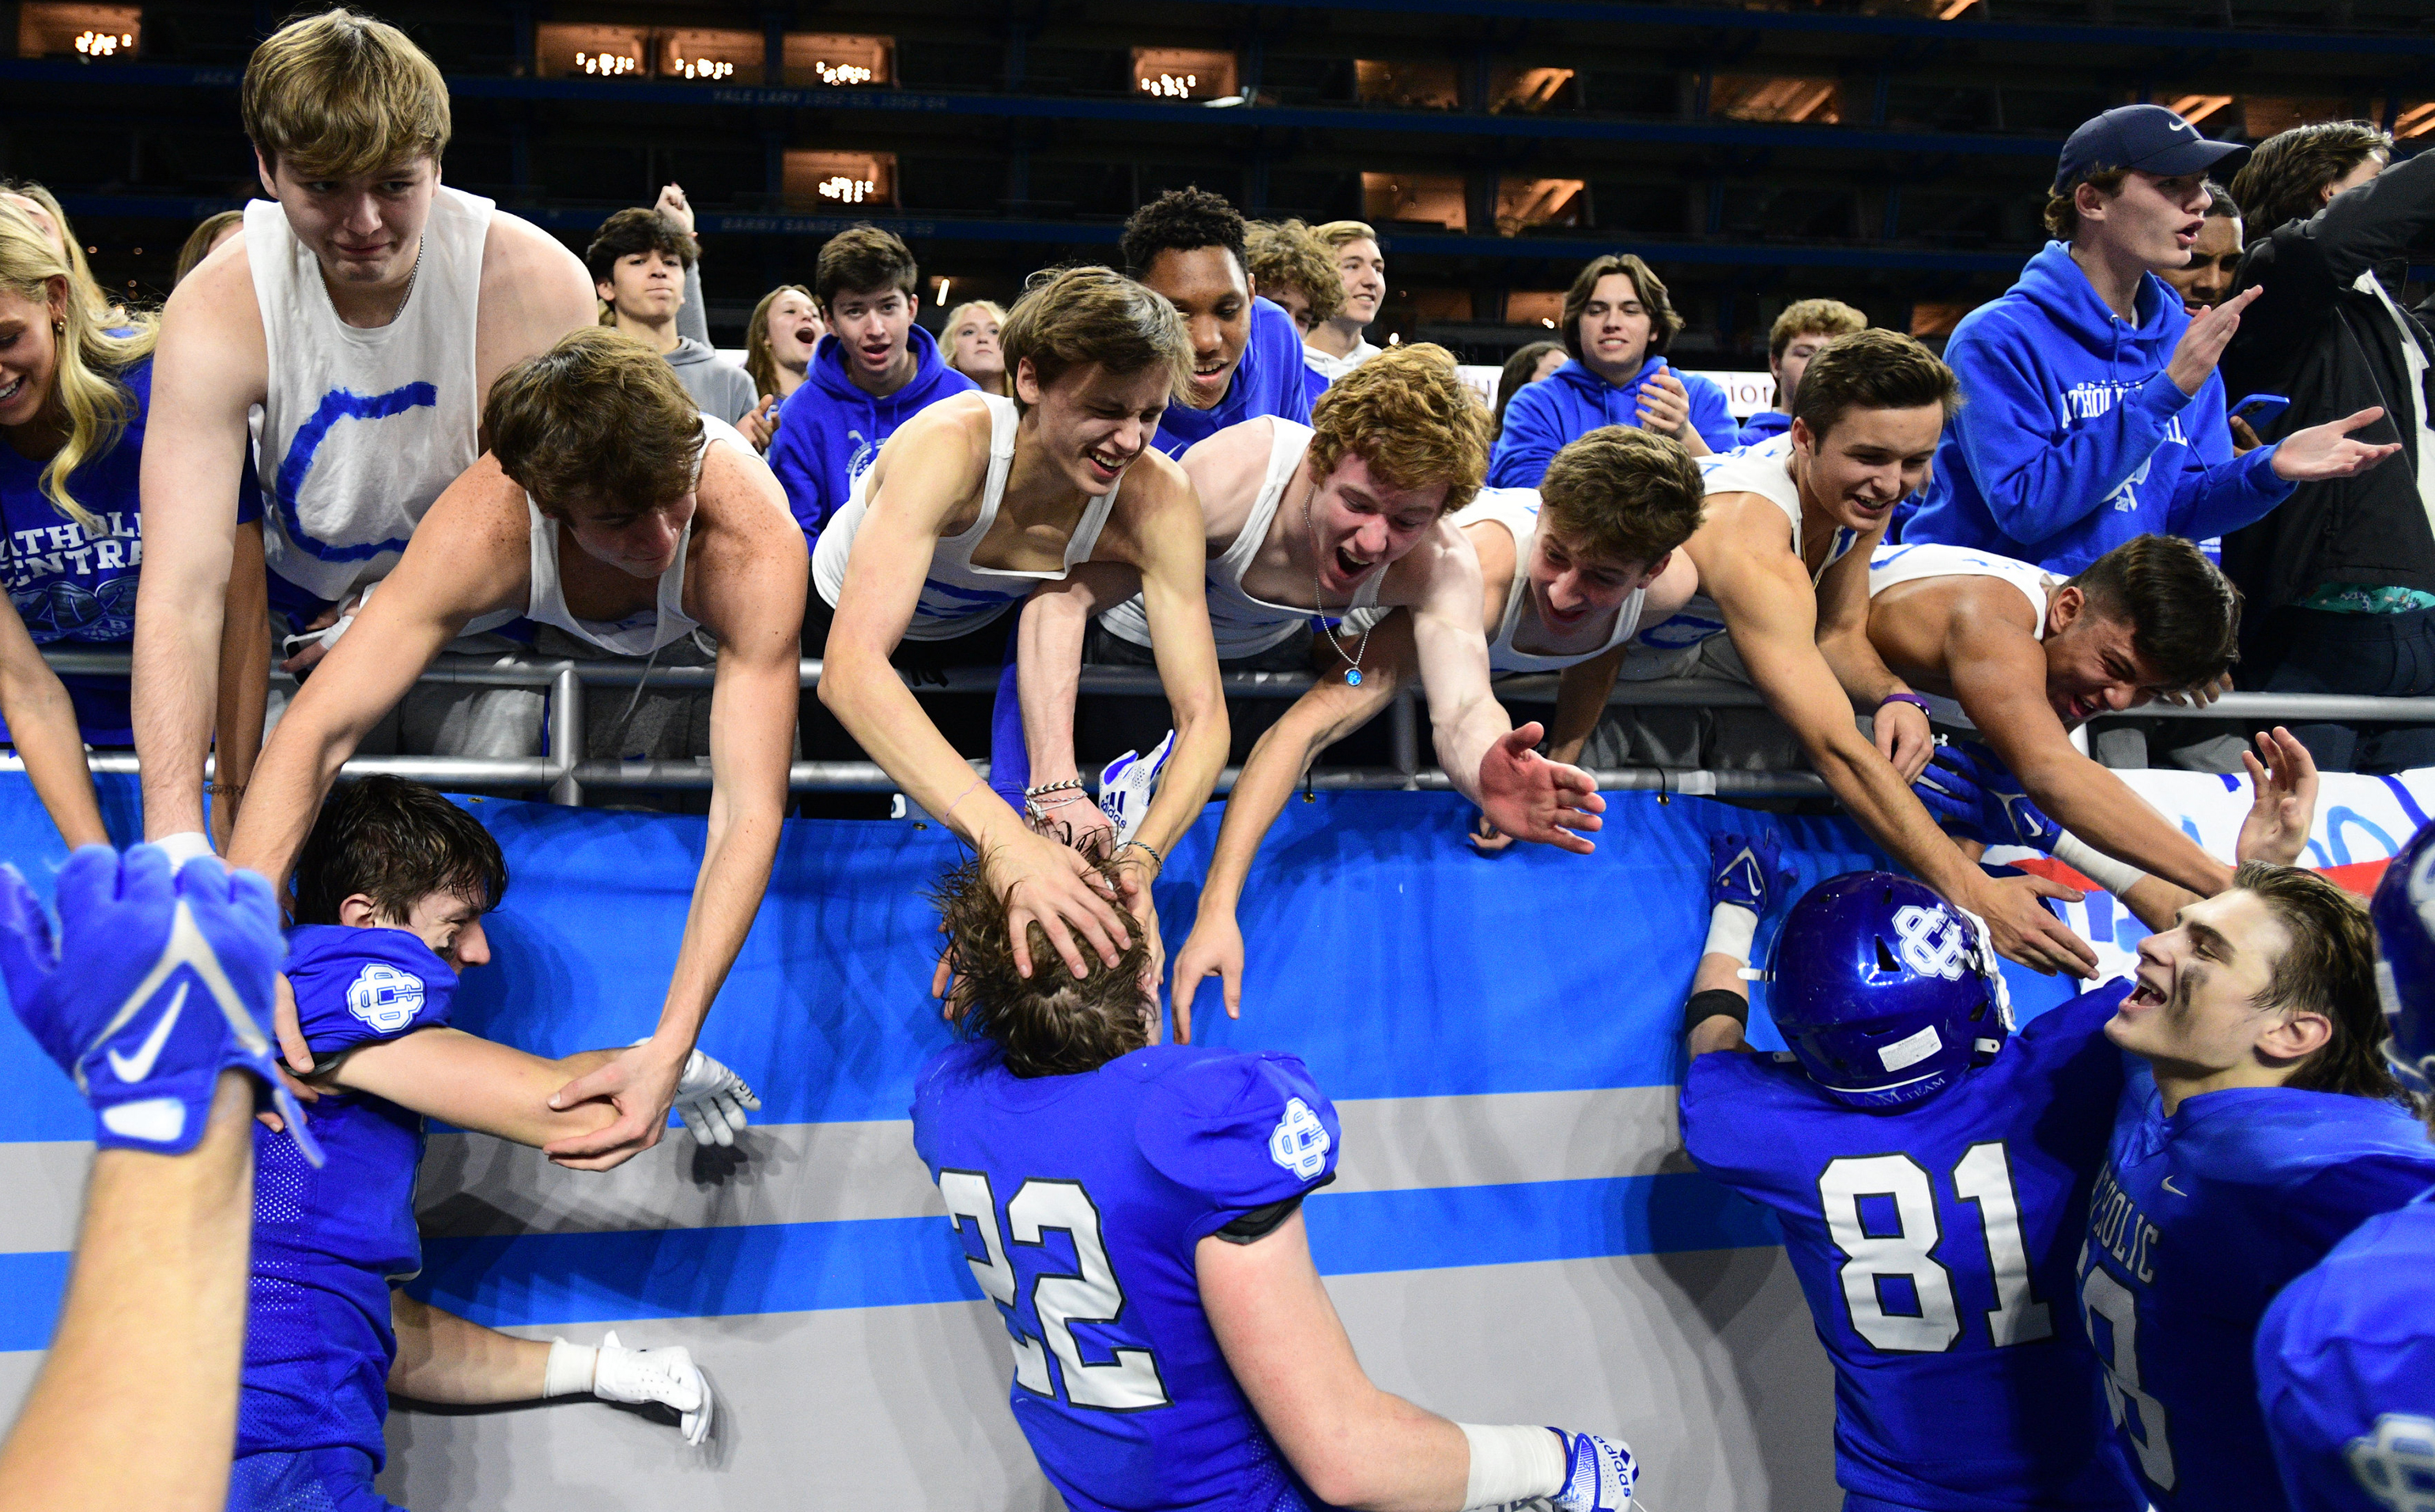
(759, 361)
(199, 240)
(1812, 318)
(79, 271)
(1081, 316)
(955, 318)
(1408, 413)
(1339, 235)
(342, 93)
(598, 416)
(85, 382)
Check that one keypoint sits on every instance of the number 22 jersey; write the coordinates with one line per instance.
(1079, 1202)
(1934, 1241)
(2197, 1221)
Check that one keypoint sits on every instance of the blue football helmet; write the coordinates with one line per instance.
(2404, 911)
(1884, 991)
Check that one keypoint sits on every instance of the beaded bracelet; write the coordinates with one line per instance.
(1145, 845)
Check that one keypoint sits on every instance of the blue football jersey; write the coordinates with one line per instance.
(2346, 1371)
(1935, 1242)
(1078, 1202)
(2197, 1221)
(328, 1243)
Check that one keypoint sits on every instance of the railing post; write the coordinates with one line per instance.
(566, 734)
(1407, 733)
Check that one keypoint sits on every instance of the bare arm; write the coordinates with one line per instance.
(1771, 614)
(151, 1333)
(1902, 736)
(1175, 601)
(469, 555)
(208, 368)
(533, 292)
(1581, 702)
(751, 584)
(245, 687)
(476, 1084)
(443, 1358)
(1048, 659)
(42, 724)
(1353, 1445)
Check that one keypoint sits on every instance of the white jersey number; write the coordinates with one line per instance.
(2110, 1300)
(1089, 1293)
(1982, 1177)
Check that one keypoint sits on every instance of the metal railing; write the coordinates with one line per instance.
(567, 777)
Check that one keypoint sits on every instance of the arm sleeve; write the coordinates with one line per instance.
(2039, 478)
(1529, 442)
(693, 317)
(794, 456)
(381, 985)
(1244, 1133)
(1712, 416)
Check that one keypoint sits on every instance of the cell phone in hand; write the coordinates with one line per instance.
(2260, 410)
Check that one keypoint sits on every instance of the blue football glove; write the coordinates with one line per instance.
(1599, 1474)
(153, 988)
(1744, 872)
(1972, 794)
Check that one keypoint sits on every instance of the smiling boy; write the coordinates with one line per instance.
(1188, 245)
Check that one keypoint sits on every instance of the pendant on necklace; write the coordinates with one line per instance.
(1352, 676)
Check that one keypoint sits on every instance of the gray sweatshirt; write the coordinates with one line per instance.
(717, 386)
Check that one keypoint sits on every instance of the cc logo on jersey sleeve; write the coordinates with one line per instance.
(1934, 943)
(2398, 1465)
(385, 997)
(1299, 1141)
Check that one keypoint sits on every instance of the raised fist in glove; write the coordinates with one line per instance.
(153, 986)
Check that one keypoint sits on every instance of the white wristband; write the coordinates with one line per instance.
(1512, 1464)
(183, 846)
(570, 1370)
(1731, 929)
(2116, 877)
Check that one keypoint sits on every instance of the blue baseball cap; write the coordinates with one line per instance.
(2147, 138)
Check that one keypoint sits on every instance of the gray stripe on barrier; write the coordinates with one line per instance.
(1391, 1144)
(44, 1182)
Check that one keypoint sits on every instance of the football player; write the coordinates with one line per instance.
(391, 886)
(1134, 1212)
(2346, 1355)
(2261, 1126)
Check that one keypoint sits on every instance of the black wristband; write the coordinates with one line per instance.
(1716, 1000)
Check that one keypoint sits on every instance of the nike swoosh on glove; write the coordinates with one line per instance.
(1744, 872)
(153, 986)
(713, 1101)
(666, 1376)
(1599, 1474)
(1971, 791)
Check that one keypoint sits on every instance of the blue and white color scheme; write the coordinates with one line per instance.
(1271, 380)
(833, 428)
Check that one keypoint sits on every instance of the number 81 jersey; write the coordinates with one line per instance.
(1934, 1241)
(1078, 1202)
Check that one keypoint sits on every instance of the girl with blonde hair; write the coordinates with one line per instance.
(972, 342)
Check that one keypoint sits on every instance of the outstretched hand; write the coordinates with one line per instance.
(1215, 948)
(1532, 797)
(2326, 451)
(2285, 782)
(2025, 931)
(2202, 346)
(642, 1085)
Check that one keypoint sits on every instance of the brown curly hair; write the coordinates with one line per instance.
(1408, 413)
(1049, 1023)
(1284, 254)
(1622, 494)
(598, 416)
(2286, 172)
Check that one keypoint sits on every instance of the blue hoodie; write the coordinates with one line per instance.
(1572, 401)
(2071, 438)
(1764, 426)
(833, 430)
(1271, 380)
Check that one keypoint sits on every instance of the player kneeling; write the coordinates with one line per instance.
(391, 886)
(1150, 1196)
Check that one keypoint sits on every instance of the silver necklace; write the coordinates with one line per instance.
(1319, 598)
(411, 274)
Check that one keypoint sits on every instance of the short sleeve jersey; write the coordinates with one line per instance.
(1935, 1243)
(2346, 1370)
(2197, 1221)
(1078, 1202)
(328, 1244)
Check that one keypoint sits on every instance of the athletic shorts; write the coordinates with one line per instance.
(310, 1480)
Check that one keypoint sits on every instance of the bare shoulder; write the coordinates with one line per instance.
(516, 252)
(1493, 543)
(954, 430)
(214, 316)
(483, 511)
(744, 506)
(1977, 607)
(1442, 563)
(1155, 484)
(1233, 461)
(1753, 522)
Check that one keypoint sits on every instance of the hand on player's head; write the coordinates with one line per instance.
(151, 988)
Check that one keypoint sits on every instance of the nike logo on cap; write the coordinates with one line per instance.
(2174, 1190)
(139, 1065)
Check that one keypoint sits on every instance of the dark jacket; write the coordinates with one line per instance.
(2333, 348)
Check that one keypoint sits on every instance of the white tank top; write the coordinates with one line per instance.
(1242, 625)
(362, 429)
(958, 598)
(1667, 649)
(1517, 510)
(1888, 565)
(646, 631)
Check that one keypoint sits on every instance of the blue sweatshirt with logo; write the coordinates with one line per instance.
(1573, 400)
(831, 430)
(2071, 438)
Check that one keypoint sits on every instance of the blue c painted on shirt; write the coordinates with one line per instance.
(339, 405)
(2340, 817)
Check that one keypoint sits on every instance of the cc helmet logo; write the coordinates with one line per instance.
(1934, 943)
(1299, 1141)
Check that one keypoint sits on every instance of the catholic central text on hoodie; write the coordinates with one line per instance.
(2071, 438)
(830, 431)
